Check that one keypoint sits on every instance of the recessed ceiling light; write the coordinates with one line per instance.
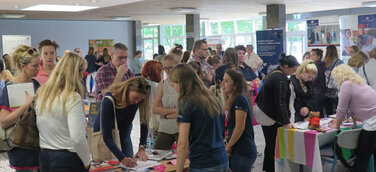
(93, 1)
(120, 17)
(16, 6)
(369, 4)
(13, 16)
(184, 10)
(65, 8)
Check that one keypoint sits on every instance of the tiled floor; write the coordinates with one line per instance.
(259, 139)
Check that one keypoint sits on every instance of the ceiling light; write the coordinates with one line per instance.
(13, 16)
(120, 17)
(65, 8)
(369, 4)
(93, 1)
(184, 10)
(16, 6)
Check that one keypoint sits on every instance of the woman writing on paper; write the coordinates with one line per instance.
(61, 118)
(272, 110)
(201, 123)
(357, 97)
(26, 60)
(127, 97)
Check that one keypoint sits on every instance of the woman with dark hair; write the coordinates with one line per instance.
(318, 83)
(272, 110)
(185, 57)
(91, 69)
(331, 95)
(240, 147)
(306, 56)
(105, 58)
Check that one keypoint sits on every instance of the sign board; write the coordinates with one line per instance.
(11, 42)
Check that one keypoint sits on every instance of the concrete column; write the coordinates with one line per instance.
(192, 22)
(276, 19)
(136, 42)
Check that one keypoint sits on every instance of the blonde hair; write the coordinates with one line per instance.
(64, 82)
(193, 89)
(357, 60)
(172, 57)
(138, 84)
(307, 66)
(23, 55)
(343, 73)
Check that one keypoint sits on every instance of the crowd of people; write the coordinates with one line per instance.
(203, 100)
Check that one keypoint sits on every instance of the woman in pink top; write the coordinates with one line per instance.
(47, 49)
(359, 100)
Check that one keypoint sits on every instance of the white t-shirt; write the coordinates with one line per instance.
(58, 131)
(253, 60)
(370, 124)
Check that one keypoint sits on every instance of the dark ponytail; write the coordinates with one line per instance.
(289, 60)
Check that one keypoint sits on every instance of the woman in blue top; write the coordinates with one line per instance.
(129, 96)
(241, 147)
(201, 123)
(26, 60)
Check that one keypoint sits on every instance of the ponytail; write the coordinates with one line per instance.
(289, 60)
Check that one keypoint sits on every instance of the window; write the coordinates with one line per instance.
(227, 27)
(173, 34)
(150, 37)
(244, 26)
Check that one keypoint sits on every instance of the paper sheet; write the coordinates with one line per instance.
(16, 93)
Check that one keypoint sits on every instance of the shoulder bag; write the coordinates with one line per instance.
(331, 92)
(99, 149)
(365, 74)
(25, 133)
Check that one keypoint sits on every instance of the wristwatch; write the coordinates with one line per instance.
(165, 117)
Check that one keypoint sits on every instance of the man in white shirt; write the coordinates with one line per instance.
(252, 59)
(219, 50)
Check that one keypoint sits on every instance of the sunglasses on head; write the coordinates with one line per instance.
(147, 87)
(31, 51)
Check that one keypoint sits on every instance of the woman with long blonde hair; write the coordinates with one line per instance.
(356, 97)
(26, 61)
(127, 97)
(201, 123)
(61, 118)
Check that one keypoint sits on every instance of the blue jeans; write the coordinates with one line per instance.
(219, 168)
(241, 163)
(60, 161)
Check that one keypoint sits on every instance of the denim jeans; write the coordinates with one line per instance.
(219, 168)
(60, 161)
(241, 163)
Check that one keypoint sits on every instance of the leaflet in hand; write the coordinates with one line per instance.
(16, 94)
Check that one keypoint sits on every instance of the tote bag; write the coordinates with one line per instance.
(99, 149)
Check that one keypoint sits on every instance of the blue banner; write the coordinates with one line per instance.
(367, 21)
(312, 22)
(269, 48)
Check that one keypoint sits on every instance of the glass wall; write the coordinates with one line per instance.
(296, 38)
(150, 36)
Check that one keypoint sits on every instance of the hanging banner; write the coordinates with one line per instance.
(322, 35)
(269, 48)
(358, 30)
(11, 42)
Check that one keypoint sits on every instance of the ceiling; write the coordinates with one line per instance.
(159, 11)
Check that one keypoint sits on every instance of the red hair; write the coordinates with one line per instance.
(152, 70)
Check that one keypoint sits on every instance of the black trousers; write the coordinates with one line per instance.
(366, 147)
(330, 105)
(270, 135)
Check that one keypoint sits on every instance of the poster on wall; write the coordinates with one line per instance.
(357, 30)
(269, 48)
(322, 35)
(10, 42)
(100, 44)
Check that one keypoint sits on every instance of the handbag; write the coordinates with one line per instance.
(5, 143)
(331, 92)
(98, 148)
(25, 133)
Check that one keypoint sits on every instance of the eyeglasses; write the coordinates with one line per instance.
(168, 68)
(31, 51)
